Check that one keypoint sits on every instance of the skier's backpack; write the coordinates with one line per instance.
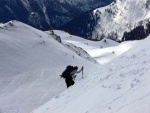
(68, 70)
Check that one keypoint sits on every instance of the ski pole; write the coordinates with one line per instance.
(82, 72)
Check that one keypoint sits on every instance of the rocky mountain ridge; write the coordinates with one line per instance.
(46, 14)
(121, 20)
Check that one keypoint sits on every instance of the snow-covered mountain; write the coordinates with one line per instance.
(30, 64)
(120, 86)
(121, 20)
(102, 51)
(46, 14)
(87, 49)
(115, 76)
(32, 60)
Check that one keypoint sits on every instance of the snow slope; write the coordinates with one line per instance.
(122, 16)
(121, 86)
(66, 37)
(112, 21)
(102, 51)
(30, 64)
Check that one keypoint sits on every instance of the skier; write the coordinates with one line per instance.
(70, 76)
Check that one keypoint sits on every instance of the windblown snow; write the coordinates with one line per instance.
(31, 62)
(102, 51)
(120, 86)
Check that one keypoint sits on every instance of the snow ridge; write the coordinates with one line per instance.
(111, 21)
(122, 16)
(30, 67)
(117, 87)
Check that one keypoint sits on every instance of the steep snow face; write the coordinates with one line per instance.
(66, 37)
(112, 21)
(121, 16)
(120, 86)
(30, 64)
(102, 51)
(91, 50)
(46, 14)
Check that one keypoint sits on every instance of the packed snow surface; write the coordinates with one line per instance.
(30, 64)
(102, 51)
(32, 60)
(120, 86)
